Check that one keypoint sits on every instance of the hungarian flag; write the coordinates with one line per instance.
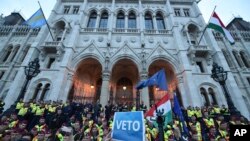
(164, 104)
(216, 24)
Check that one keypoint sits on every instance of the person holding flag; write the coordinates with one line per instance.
(162, 110)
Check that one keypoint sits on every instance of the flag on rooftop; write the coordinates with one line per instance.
(216, 24)
(36, 20)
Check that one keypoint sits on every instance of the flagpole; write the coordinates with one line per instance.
(206, 26)
(46, 22)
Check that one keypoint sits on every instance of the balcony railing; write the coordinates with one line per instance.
(5, 30)
(20, 30)
(53, 46)
(123, 30)
(199, 50)
(95, 30)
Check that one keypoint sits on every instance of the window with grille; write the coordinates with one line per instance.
(76, 9)
(131, 20)
(120, 22)
(148, 22)
(104, 20)
(177, 12)
(92, 20)
(66, 9)
(186, 12)
(160, 22)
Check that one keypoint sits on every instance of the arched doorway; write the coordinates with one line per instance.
(123, 81)
(87, 81)
(154, 94)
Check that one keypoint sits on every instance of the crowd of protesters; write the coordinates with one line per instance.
(74, 121)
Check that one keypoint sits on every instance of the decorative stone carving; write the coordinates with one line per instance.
(144, 75)
(91, 49)
(70, 76)
(165, 40)
(143, 60)
(107, 60)
(100, 38)
(209, 59)
(133, 39)
(118, 39)
(86, 39)
(105, 76)
(159, 50)
(151, 40)
(180, 78)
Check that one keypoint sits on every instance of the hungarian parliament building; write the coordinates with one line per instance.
(99, 50)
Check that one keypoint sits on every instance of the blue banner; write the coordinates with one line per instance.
(128, 126)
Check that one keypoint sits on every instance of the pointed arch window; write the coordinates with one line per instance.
(104, 20)
(25, 51)
(148, 22)
(244, 57)
(227, 56)
(193, 32)
(131, 20)
(205, 99)
(37, 91)
(15, 51)
(160, 22)
(235, 53)
(45, 91)
(7, 54)
(212, 96)
(92, 20)
(120, 21)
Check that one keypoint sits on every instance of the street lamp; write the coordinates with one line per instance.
(219, 75)
(32, 70)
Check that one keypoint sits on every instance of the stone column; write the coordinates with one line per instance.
(98, 18)
(154, 22)
(126, 21)
(184, 97)
(141, 23)
(105, 88)
(144, 91)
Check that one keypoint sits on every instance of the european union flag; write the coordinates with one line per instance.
(158, 79)
(178, 112)
(36, 20)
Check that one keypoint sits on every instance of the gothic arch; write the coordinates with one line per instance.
(244, 57)
(149, 11)
(60, 20)
(6, 52)
(76, 61)
(207, 86)
(163, 13)
(120, 10)
(91, 10)
(103, 10)
(132, 10)
(42, 81)
(193, 23)
(133, 58)
(173, 63)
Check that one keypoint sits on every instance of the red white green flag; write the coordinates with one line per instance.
(216, 24)
(164, 104)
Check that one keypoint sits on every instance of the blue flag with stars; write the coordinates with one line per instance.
(158, 79)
